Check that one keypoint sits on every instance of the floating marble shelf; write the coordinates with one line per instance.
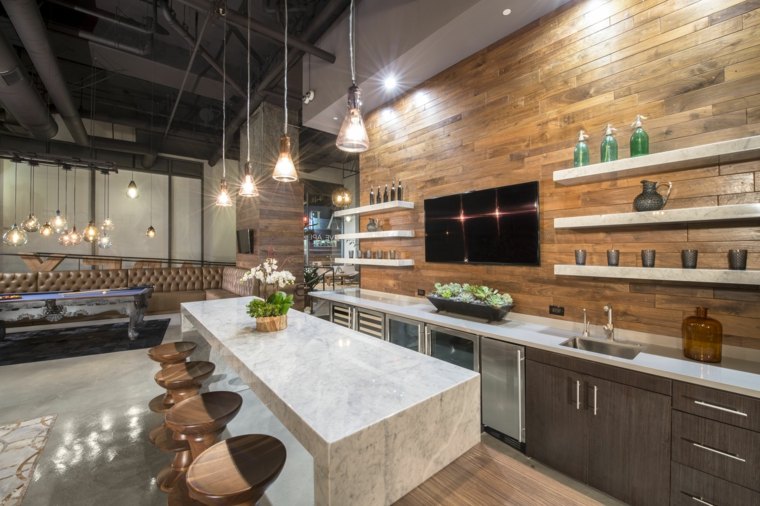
(376, 208)
(736, 150)
(690, 215)
(383, 234)
(399, 262)
(710, 276)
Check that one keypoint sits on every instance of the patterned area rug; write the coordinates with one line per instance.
(52, 344)
(21, 444)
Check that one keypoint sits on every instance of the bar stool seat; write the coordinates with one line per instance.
(171, 353)
(178, 378)
(201, 418)
(236, 471)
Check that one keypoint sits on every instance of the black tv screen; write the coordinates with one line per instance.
(494, 226)
(245, 241)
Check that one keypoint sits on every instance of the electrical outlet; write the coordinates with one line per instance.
(557, 310)
(420, 291)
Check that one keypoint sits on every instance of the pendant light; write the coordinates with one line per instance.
(223, 198)
(15, 236)
(132, 191)
(284, 170)
(75, 238)
(352, 136)
(31, 224)
(341, 197)
(46, 230)
(104, 241)
(59, 221)
(151, 232)
(248, 185)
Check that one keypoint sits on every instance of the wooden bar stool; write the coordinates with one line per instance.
(237, 471)
(168, 354)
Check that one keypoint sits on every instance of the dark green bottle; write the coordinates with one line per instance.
(609, 151)
(581, 154)
(639, 138)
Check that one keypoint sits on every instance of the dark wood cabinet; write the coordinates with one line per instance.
(599, 428)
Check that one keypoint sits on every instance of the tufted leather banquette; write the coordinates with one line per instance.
(18, 282)
(231, 285)
(57, 281)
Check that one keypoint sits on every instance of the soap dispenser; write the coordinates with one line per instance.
(581, 154)
(639, 138)
(609, 151)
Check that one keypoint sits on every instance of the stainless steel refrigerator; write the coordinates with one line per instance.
(502, 370)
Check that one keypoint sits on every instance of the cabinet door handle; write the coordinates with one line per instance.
(714, 450)
(720, 408)
(595, 390)
(577, 394)
(700, 500)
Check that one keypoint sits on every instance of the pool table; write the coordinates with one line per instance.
(54, 306)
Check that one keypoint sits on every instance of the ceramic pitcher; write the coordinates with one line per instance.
(649, 199)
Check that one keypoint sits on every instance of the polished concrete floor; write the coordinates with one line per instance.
(98, 453)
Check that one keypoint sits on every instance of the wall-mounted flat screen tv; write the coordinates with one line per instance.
(245, 241)
(494, 226)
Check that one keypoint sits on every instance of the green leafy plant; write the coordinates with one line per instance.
(477, 294)
(311, 276)
(276, 304)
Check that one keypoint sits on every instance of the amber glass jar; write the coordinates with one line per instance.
(702, 337)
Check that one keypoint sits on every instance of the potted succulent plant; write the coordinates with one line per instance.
(472, 300)
(271, 314)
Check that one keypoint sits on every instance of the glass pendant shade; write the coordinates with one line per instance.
(248, 185)
(15, 236)
(31, 224)
(107, 225)
(341, 197)
(46, 230)
(352, 137)
(284, 170)
(223, 199)
(132, 191)
(64, 239)
(90, 232)
(75, 237)
(58, 222)
(151, 232)
(104, 241)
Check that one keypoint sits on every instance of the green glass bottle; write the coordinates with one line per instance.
(639, 138)
(609, 150)
(581, 154)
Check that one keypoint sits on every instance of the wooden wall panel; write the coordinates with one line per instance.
(511, 113)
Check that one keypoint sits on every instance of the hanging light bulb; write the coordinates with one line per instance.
(107, 225)
(58, 222)
(104, 241)
(64, 239)
(352, 136)
(15, 236)
(132, 191)
(151, 232)
(223, 198)
(284, 169)
(75, 237)
(46, 230)
(31, 224)
(90, 232)
(341, 197)
(248, 185)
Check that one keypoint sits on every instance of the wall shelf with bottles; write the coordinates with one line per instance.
(398, 262)
(383, 234)
(736, 150)
(687, 215)
(375, 208)
(707, 276)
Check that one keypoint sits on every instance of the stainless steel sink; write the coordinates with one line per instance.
(615, 349)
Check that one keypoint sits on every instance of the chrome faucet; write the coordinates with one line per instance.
(585, 324)
(609, 329)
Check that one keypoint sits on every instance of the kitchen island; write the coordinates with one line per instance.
(377, 418)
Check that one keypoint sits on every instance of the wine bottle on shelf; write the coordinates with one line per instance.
(371, 196)
(399, 191)
(385, 194)
(393, 190)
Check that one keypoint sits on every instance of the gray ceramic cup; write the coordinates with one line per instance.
(613, 257)
(647, 257)
(580, 257)
(689, 258)
(737, 259)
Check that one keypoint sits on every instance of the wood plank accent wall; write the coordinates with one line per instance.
(511, 113)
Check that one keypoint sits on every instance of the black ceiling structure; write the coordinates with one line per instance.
(154, 65)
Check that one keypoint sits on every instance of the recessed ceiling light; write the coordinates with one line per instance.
(506, 12)
(390, 83)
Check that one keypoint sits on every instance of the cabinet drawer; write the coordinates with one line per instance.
(690, 487)
(735, 409)
(717, 448)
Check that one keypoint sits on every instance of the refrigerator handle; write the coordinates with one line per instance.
(520, 392)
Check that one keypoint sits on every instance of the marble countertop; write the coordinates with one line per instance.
(739, 376)
(338, 381)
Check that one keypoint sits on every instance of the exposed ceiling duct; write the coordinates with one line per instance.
(26, 18)
(20, 98)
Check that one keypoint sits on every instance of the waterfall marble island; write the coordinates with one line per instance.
(377, 418)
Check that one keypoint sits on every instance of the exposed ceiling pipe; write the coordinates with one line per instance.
(274, 34)
(177, 27)
(26, 18)
(20, 98)
(123, 22)
(328, 14)
(144, 50)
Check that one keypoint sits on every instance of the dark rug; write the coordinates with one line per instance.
(52, 344)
